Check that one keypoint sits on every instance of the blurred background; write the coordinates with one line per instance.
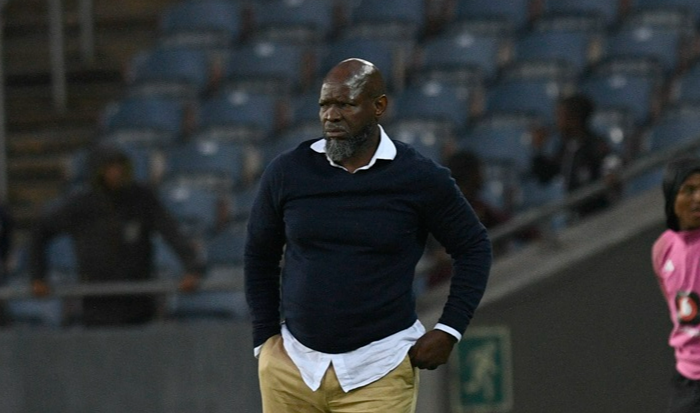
(203, 93)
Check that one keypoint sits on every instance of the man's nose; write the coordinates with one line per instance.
(330, 113)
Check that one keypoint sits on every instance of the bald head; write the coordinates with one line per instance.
(360, 76)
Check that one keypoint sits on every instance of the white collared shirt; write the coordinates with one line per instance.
(373, 361)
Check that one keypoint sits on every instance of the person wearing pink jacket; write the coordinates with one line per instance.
(676, 261)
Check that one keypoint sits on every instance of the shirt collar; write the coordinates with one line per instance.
(385, 150)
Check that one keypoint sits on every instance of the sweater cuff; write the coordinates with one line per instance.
(449, 330)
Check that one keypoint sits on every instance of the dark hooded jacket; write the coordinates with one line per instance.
(111, 232)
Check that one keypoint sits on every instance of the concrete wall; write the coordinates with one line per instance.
(170, 368)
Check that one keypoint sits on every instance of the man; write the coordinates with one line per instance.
(676, 262)
(351, 213)
(111, 223)
(581, 158)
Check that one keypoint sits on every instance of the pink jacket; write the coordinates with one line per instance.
(676, 261)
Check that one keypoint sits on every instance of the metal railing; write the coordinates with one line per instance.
(640, 166)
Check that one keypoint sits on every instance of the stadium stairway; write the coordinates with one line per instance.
(40, 137)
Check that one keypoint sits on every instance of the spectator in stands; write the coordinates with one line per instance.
(6, 238)
(676, 261)
(111, 223)
(350, 214)
(581, 156)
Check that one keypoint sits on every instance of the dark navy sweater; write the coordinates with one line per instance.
(351, 243)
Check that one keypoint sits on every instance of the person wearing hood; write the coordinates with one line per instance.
(111, 222)
(676, 262)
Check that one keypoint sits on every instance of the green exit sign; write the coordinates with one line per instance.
(482, 379)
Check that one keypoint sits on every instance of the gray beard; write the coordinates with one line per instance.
(339, 150)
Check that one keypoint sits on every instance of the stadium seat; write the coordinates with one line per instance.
(429, 137)
(474, 46)
(194, 206)
(184, 73)
(210, 164)
(224, 264)
(433, 101)
(532, 87)
(648, 181)
(617, 127)
(502, 137)
(299, 21)
(518, 12)
(278, 67)
(687, 7)
(661, 33)
(608, 10)
(571, 38)
(206, 24)
(406, 18)
(677, 124)
(145, 120)
(627, 84)
(166, 262)
(239, 116)
(687, 86)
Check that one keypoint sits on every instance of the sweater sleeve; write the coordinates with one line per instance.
(454, 224)
(263, 253)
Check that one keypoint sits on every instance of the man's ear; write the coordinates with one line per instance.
(380, 105)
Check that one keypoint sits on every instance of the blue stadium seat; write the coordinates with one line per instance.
(239, 116)
(207, 24)
(401, 17)
(687, 86)
(194, 206)
(289, 139)
(499, 178)
(502, 137)
(660, 33)
(648, 181)
(225, 259)
(608, 10)
(146, 120)
(627, 84)
(677, 124)
(535, 193)
(518, 12)
(433, 101)
(532, 87)
(300, 21)
(282, 67)
(465, 47)
(184, 73)
(616, 126)
(429, 137)
(167, 263)
(210, 164)
(687, 7)
(571, 38)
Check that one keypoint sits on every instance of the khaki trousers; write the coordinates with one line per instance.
(284, 391)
